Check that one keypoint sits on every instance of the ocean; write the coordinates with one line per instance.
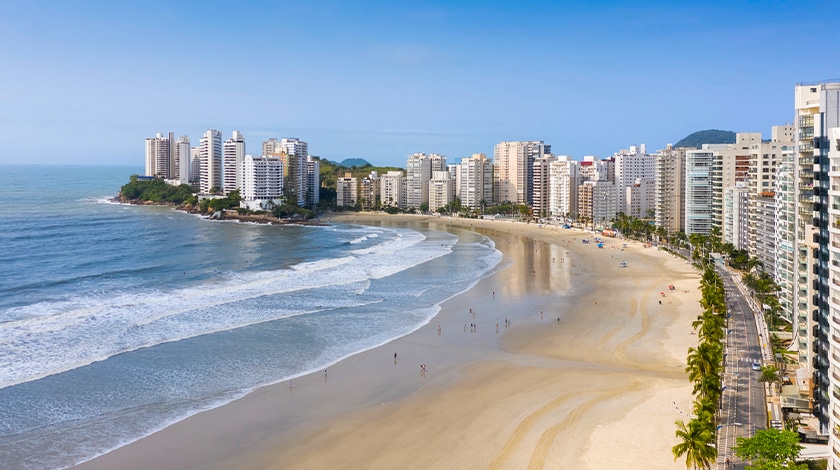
(118, 320)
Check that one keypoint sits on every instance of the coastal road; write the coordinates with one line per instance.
(743, 407)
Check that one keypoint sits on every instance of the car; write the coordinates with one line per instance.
(756, 365)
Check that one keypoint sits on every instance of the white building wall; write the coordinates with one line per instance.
(234, 154)
(210, 154)
(392, 190)
(440, 190)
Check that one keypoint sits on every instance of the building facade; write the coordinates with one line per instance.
(698, 191)
(210, 157)
(346, 191)
(513, 170)
(233, 154)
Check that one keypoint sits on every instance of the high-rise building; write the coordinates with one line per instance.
(542, 185)
(563, 188)
(262, 184)
(440, 190)
(786, 260)
(765, 158)
(513, 170)
(392, 190)
(670, 189)
(294, 153)
(183, 156)
(730, 165)
(160, 156)
(635, 168)
(698, 191)
(346, 190)
(313, 181)
(476, 181)
(195, 166)
(817, 134)
(736, 203)
(369, 191)
(210, 154)
(597, 203)
(418, 172)
(234, 154)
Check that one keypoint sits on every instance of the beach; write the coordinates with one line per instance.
(573, 362)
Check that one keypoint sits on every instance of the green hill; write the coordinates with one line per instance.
(709, 136)
(357, 162)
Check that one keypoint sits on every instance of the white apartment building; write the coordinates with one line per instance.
(670, 189)
(563, 187)
(592, 169)
(160, 156)
(234, 153)
(262, 184)
(698, 191)
(392, 190)
(765, 158)
(346, 190)
(210, 155)
(633, 166)
(183, 156)
(736, 202)
(786, 262)
(294, 153)
(440, 190)
(476, 181)
(418, 172)
(513, 167)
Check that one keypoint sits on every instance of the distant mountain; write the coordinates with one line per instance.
(357, 162)
(709, 136)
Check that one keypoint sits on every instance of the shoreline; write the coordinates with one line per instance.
(315, 425)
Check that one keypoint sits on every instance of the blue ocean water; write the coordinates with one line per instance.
(118, 320)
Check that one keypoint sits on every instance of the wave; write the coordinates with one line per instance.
(58, 336)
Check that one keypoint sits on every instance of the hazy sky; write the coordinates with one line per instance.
(86, 82)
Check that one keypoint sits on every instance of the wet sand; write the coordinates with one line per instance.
(595, 389)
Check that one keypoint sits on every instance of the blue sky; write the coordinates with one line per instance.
(85, 82)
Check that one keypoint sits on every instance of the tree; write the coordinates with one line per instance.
(769, 374)
(696, 441)
(770, 449)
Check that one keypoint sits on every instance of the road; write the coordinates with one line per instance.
(743, 406)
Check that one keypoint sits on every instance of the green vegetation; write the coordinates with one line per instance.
(709, 136)
(771, 449)
(158, 191)
(231, 201)
(698, 436)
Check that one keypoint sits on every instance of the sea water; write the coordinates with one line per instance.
(118, 320)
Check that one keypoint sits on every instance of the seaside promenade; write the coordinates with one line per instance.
(549, 362)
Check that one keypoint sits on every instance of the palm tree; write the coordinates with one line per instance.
(696, 442)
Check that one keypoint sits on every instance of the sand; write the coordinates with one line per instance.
(596, 381)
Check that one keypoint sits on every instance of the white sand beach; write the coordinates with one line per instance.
(586, 375)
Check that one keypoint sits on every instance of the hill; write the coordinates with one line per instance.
(709, 136)
(357, 162)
